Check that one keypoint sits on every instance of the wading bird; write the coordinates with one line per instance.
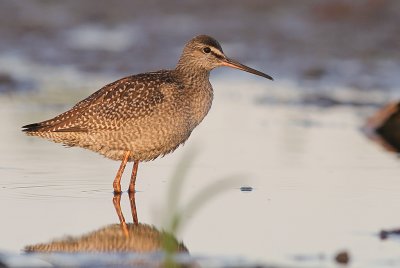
(144, 116)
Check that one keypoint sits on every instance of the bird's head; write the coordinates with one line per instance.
(204, 52)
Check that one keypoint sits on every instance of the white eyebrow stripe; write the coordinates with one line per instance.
(217, 52)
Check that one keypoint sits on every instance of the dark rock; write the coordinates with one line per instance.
(342, 257)
(384, 127)
(246, 188)
(384, 234)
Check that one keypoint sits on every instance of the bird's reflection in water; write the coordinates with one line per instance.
(117, 205)
(123, 237)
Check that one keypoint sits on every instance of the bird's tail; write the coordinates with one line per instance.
(35, 127)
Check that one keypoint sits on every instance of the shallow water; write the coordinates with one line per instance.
(319, 185)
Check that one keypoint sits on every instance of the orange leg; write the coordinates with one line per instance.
(133, 208)
(117, 205)
(117, 180)
(133, 177)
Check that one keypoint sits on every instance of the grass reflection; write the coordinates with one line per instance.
(176, 217)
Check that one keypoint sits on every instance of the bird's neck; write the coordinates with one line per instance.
(196, 81)
(191, 74)
(198, 90)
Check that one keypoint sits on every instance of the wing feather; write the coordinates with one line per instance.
(127, 98)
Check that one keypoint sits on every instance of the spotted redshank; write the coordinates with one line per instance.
(144, 116)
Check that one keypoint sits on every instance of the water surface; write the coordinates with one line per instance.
(319, 185)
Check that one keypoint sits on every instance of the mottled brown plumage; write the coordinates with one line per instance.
(139, 238)
(144, 116)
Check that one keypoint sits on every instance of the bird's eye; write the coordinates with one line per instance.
(206, 50)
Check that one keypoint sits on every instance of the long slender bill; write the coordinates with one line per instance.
(237, 65)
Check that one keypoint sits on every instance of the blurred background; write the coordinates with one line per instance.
(325, 44)
(317, 184)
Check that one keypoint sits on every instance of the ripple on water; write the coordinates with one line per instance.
(55, 190)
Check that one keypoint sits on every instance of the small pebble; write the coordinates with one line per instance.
(342, 257)
(383, 235)
(246, 188)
